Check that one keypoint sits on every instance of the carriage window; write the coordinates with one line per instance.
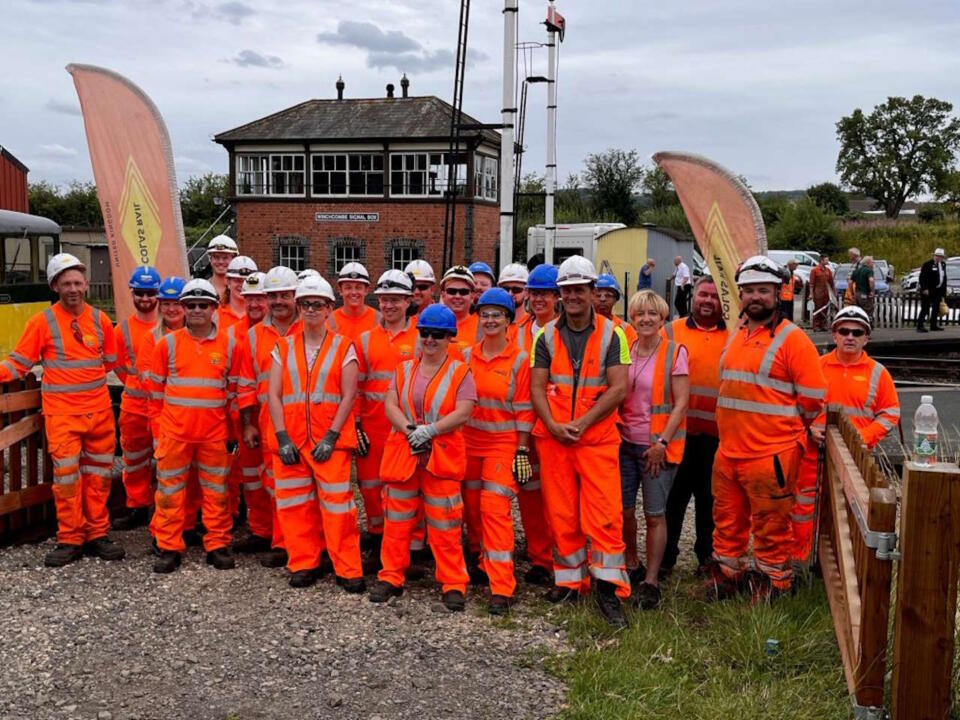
(17, 263)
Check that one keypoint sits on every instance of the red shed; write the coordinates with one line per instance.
(13, 183)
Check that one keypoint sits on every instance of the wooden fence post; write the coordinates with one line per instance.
(926, 591)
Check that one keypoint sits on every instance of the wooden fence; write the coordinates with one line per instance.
(893, 311)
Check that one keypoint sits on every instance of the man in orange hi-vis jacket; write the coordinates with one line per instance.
(75, 345)
(771, 391)
(192, 380)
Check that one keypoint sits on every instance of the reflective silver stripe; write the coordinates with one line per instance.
(608, 559)
(22, 359)
(395, 516)
(472, 484)
(71, 364)
(269, 490)
(376, 522)
(406, 379)
(250, 471)
(885, 424)
(251, 486)
(96, 457)
(292, 483)
(509, 426)
(156, 395)
(530, 486)
(372, 484)
(667, 370)
(137, 454)
(365, 351)
(338, 508)
(69, 479)
(374, 396)
(572, 560)
(849, 410)
(496, 489)
(805, 500)
(814, 393)
(771, 353)
(443, 501)
(171, 355)
(703, 391)
(96, 326)
(335, 487)
(197, 383)
(379, 375)
(55, 337)
(136, 394)
(397, 494)
(702, 415)
(493, 404)
(498, 555)
(171, 489)
(757, 407)
(213, 487)
(213, 470)
(892, 411)
(801, 518)
(110, 358)
(190, 402)
(874, 384)
(524, 426)
(294, 500)
(432, 414)
(613, 575)
(81, 387)
(15, 372)
(128, 341)
(605, 341)
(66, 462)
(443, 524)
(570, 576)
(252, 340)
(160, 379)
(262, 398)
(165, 473)
(319, 395)
(130, 468)
(758, 379)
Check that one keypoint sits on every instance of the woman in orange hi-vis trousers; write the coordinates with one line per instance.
(428, 402)
(497, 437)
(313, 384)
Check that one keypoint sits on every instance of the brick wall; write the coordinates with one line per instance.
(263, 225)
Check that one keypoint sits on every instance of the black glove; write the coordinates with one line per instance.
(324, 449)
(286, 449)
(522, 469)
(231, 446)
(363, 442)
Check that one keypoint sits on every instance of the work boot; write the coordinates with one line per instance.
(414, 572)
(275, 558)
(154, 548)
(63, 554)
(716, 586)
(637, 574)
(303, 578)
(499, 605)
(610, 606)
(761, 589)
(558, 594)
(383, 591)
(370, 542)
(221, 559)
(648, 596)
(370, 563)
(538, 575)
(454, 601)
(167, 562)
(192, 538)
(478, 575)
(132, 519)
(251, 544)
(104, 548)
(354, 586)
(326, 565)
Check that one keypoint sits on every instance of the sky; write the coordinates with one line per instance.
(757, 86)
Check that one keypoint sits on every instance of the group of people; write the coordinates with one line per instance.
(520, 385)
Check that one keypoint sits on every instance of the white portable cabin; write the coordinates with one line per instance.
(570, 239)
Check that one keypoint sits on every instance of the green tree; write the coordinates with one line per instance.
(950, 192)
(198, 199)
(829, 197)
(903, 148)
(771, 206)
(612, 178)
(804, 225)
(657, 184)
(78, 205)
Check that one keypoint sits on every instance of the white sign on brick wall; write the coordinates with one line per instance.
(371, 217)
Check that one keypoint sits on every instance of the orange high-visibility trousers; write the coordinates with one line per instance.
(316, 509)
(371, 488)
(246, 475)
(804, 503)
(497, 489)
(583, 499)
(174, 460)
(443, 509)
(533, 518)
(471, 487)
(81, 448)
(755, 496)
(276, 535)
(136, 442)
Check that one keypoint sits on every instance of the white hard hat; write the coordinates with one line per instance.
(576, 270)
(353, 271)
(309, 272)
(315, 287)
(280, 278)
(60, 262)
(253, 284)
(223, 243)
(852, 313)
(394, 282)
(759, 269)
(459, 272)
(939, 251)
(421, 270)
(514, 273)
(241, 266)
(199, 289)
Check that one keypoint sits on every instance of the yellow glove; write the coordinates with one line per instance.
(363, 442)
(522, 469)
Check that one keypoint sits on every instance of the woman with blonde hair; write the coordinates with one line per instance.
(653, 426)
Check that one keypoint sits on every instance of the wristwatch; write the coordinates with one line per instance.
(663, 442)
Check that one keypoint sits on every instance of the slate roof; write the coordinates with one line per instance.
(413, 118)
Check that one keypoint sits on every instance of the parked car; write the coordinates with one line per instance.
(805, 261)
(880, 284)
(911, 281)
(887, 269)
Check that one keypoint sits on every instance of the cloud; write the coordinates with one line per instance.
(235, 12)
(367, 36)
(411, 62)
(251, 58)
(64, 108)
(57, 150)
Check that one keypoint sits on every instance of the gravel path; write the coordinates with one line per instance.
(113, 641)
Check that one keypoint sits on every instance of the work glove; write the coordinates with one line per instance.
(421, 435)
(363, 442)
(231, 447)
(324, 449)
(522, 469)
(286, 449)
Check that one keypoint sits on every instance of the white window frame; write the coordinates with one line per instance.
(251, 160)
(344, 253)
(293, 254)
(265, 160)
(405, 253)
(348, 159)
(434, 170)
(486, 177)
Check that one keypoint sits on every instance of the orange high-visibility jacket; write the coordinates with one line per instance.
(865, 392)
(503, 401)
(661, 402)
(130, 335)
(771, 390)
(704, 347)
(468, 332)
(567, 401)
(311, 396)
(76, 353)
(627, 328)
(353, 327)
(226, 317)
(144, 363)
(787, 289)
(448, 453)
(379, 354)
(191, 383)
(237, 334)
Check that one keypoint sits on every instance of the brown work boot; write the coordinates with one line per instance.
(716, 586)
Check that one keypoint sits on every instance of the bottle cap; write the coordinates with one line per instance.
(926, 399)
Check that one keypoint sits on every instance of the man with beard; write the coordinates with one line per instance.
(220, 251)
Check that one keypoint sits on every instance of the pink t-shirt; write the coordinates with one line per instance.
(635, 411)
(466, 391)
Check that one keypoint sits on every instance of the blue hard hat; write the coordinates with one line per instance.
(500, 298)
(171, 288)
(481, 267)
(543, 277)
(438, 317)
(145, 277)
(606, 281)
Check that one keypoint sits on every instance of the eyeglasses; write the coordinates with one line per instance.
(75, 326)
(145, 293)
(855, 332)
(312, 305)
(491, 315)
(197, 305)
(423, 287)
(426, 333)
(463, 292)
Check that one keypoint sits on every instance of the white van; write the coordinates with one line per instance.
(570, 239)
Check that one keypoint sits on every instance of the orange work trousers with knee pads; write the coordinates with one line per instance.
(276, 535)
(443, 510)
(497, 489)
(136, 442)
(316, 510)
(246, 476)
(804, 505)
(371, 487)
(81, 448)
(471, 507)
(755, 496)
(533, 518)
(174, 461)
(583, 500)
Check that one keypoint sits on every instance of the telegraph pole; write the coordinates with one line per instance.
(509, 111)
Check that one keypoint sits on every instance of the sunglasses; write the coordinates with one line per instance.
(145, 293)
(197, 305)
(432, 334)
(77, 334)
(855, 332)
(463, 292)
(516, 290)
(312, 305)
(423, 287)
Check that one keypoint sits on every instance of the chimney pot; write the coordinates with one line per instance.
(389, 90)
(340, 86)
(405, 85)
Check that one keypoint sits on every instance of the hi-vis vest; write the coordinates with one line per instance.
(704, 348)
(379, 356)
(311, 396)
(448, 454)
(131, 335)
(661, 402)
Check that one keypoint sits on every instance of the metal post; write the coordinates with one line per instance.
(510, 8)
(550, 228)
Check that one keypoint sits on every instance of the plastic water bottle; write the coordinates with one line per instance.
(925, 423)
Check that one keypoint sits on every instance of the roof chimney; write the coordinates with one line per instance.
(340, 86)
(389, 90)
(405, 85)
